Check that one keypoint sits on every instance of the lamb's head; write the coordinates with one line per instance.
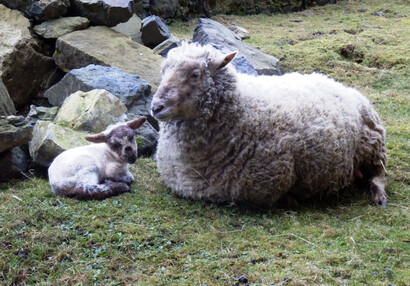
(120, 138)
(187, 81)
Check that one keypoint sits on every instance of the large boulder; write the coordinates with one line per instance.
(6, 104)
(50, 139)
(48, 9)
(104, 12)
(14, 131)
(40, 10)
(211, 32)
(90, 111)
(55, 28)
(154, 31)
(133, 91)
(24, 69)
(103, 46)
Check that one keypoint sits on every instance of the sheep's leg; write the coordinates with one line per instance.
(378, 194)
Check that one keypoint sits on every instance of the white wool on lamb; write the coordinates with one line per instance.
(100, 170)
(229, 137)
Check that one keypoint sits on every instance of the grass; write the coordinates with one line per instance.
(151, 237)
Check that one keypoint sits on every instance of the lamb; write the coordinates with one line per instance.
(227, 137)
(97, 171)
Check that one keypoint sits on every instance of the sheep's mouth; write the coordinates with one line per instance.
(162, 113)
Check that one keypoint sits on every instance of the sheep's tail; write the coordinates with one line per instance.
(96, 192)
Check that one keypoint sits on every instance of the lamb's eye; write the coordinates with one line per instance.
(195, 74)
(116, 145)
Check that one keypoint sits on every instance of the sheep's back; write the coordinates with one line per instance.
(319, 121)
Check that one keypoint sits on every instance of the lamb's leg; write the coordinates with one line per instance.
(102, 191)
(378, 194)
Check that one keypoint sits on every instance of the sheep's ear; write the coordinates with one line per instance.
(224, 60)
(134, 124)
(96, 138)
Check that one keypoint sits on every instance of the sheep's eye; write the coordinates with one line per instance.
(195, 74)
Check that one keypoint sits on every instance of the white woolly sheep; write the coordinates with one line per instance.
(97, 171)
(229, 137)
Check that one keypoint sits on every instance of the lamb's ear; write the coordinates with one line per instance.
(96, 138)
(134, 124)
(222, 61)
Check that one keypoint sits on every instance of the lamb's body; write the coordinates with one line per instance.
(100, 170)
(89, 172)
(269, 136)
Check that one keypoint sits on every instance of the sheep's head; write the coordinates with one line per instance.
(120, 138)
(186, 78)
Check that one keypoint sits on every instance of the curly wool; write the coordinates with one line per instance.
(257, 139)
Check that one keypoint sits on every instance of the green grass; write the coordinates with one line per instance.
(151, 237)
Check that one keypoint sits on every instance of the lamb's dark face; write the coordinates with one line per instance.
(121, 140)
(180, 90)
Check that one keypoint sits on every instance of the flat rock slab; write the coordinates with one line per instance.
(104, 12)
(211, 32)
(103, 46)
(53, 29)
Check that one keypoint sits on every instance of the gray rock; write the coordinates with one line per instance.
(242, 33)
(6, 104)
(25, 71)
(41, 113)
(40, 10)
(48, 9)
(91, 111)
(133, 91)
(211, 32)
(130, 28)
(167, 45)
(103, 46)
(50, 139)
(104, 12)
(13, 164)
(154, 31)
(14, 132)
(53, 29)
(147, 136)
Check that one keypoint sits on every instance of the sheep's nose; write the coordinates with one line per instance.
(156, 109)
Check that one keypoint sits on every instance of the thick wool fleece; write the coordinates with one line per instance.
(257, 139)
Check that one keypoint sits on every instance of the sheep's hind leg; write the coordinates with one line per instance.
(378, 194)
